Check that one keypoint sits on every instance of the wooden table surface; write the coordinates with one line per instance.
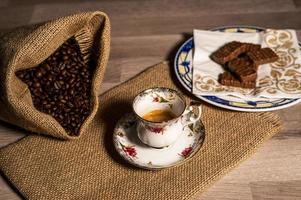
(147, 32)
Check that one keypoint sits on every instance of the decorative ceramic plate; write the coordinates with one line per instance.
(137, 153)
(183, 70)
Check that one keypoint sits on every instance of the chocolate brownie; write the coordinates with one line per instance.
(228, 52)
(244, 68)
(228, 79)
(252, 47)
(263, 56)
(241, 61)
(232, 50)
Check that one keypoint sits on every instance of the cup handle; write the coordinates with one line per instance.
(191, 114)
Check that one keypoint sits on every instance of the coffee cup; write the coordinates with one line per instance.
(162, 116)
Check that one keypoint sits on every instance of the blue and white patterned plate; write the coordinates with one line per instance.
(183, 70)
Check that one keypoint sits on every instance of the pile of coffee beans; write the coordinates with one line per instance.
(61, 86)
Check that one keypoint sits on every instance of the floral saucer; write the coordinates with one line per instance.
(129, 146)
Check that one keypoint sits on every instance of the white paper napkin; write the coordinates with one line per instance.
(281, 79)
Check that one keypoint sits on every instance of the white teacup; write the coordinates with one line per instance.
(162, 103)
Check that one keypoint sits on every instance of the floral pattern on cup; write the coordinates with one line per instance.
(160, 99)
(165, 133)
(156, 130)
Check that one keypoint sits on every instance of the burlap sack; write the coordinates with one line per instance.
(27, 47)
(90, 168)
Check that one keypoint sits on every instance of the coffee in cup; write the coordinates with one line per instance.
(162, 115)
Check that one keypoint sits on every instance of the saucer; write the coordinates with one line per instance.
(130, 148)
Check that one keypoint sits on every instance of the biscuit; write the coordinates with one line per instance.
(228, 79)
(263, 56)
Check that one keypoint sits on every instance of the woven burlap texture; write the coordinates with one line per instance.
(89, 168)
(27, 47)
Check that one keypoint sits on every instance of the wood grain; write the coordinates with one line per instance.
(147, 32)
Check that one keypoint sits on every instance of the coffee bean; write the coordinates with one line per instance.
(63, 100)
(61, 85)
(39, 73)
(47, 67)
(72, 80)
(62, 66)
(36, 84)
(70, 104)
(50, 77)
(57, 85)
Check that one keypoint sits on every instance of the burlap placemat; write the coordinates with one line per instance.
(89, 168)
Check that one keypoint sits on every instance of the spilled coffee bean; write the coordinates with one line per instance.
(61, 86)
